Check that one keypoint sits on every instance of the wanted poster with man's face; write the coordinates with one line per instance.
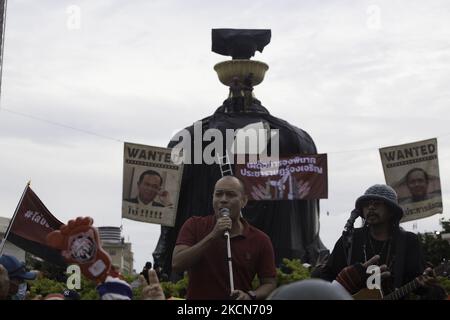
(151, 184)
(413, 171)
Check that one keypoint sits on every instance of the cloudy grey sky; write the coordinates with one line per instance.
(356, 75)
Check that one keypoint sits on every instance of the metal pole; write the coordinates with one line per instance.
(4, 4)
(230, 265)
(2, 245)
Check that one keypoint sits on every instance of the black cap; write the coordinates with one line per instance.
(239, 43)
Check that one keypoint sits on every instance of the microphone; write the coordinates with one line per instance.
(347, 235)
(225, 212)
(353, 216)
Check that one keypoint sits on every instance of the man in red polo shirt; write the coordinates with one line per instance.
(201, 249)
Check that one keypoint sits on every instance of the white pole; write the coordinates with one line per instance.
(2, 44)
(2, 245)
(230, 265)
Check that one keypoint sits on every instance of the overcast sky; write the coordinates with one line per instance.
(356, 75)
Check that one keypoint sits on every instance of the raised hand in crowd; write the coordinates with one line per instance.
(153, 289)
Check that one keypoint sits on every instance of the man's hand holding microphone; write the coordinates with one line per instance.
(223, 224)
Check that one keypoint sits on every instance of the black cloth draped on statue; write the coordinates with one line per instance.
(293, 226)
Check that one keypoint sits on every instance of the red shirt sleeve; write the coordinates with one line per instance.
(266, 265)
(187, 234)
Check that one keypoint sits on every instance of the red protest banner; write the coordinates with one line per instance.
(289, 178)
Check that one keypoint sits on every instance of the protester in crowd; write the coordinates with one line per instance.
(54, 296)
(114, 288)
(17, 274)
(152, 289)
(4, 283)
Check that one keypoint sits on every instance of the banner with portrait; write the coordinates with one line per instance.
(412, 169)
(151, 184)
(289, 178)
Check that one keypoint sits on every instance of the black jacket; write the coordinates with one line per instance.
(406, 260)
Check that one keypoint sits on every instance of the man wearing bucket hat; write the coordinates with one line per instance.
(399, 252)
(17, 275)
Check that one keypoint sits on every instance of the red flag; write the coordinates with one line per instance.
(30, 226)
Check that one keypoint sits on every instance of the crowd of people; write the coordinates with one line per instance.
(222, 254)
(14, 281)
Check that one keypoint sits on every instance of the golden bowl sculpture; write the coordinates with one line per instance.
(227, 70)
